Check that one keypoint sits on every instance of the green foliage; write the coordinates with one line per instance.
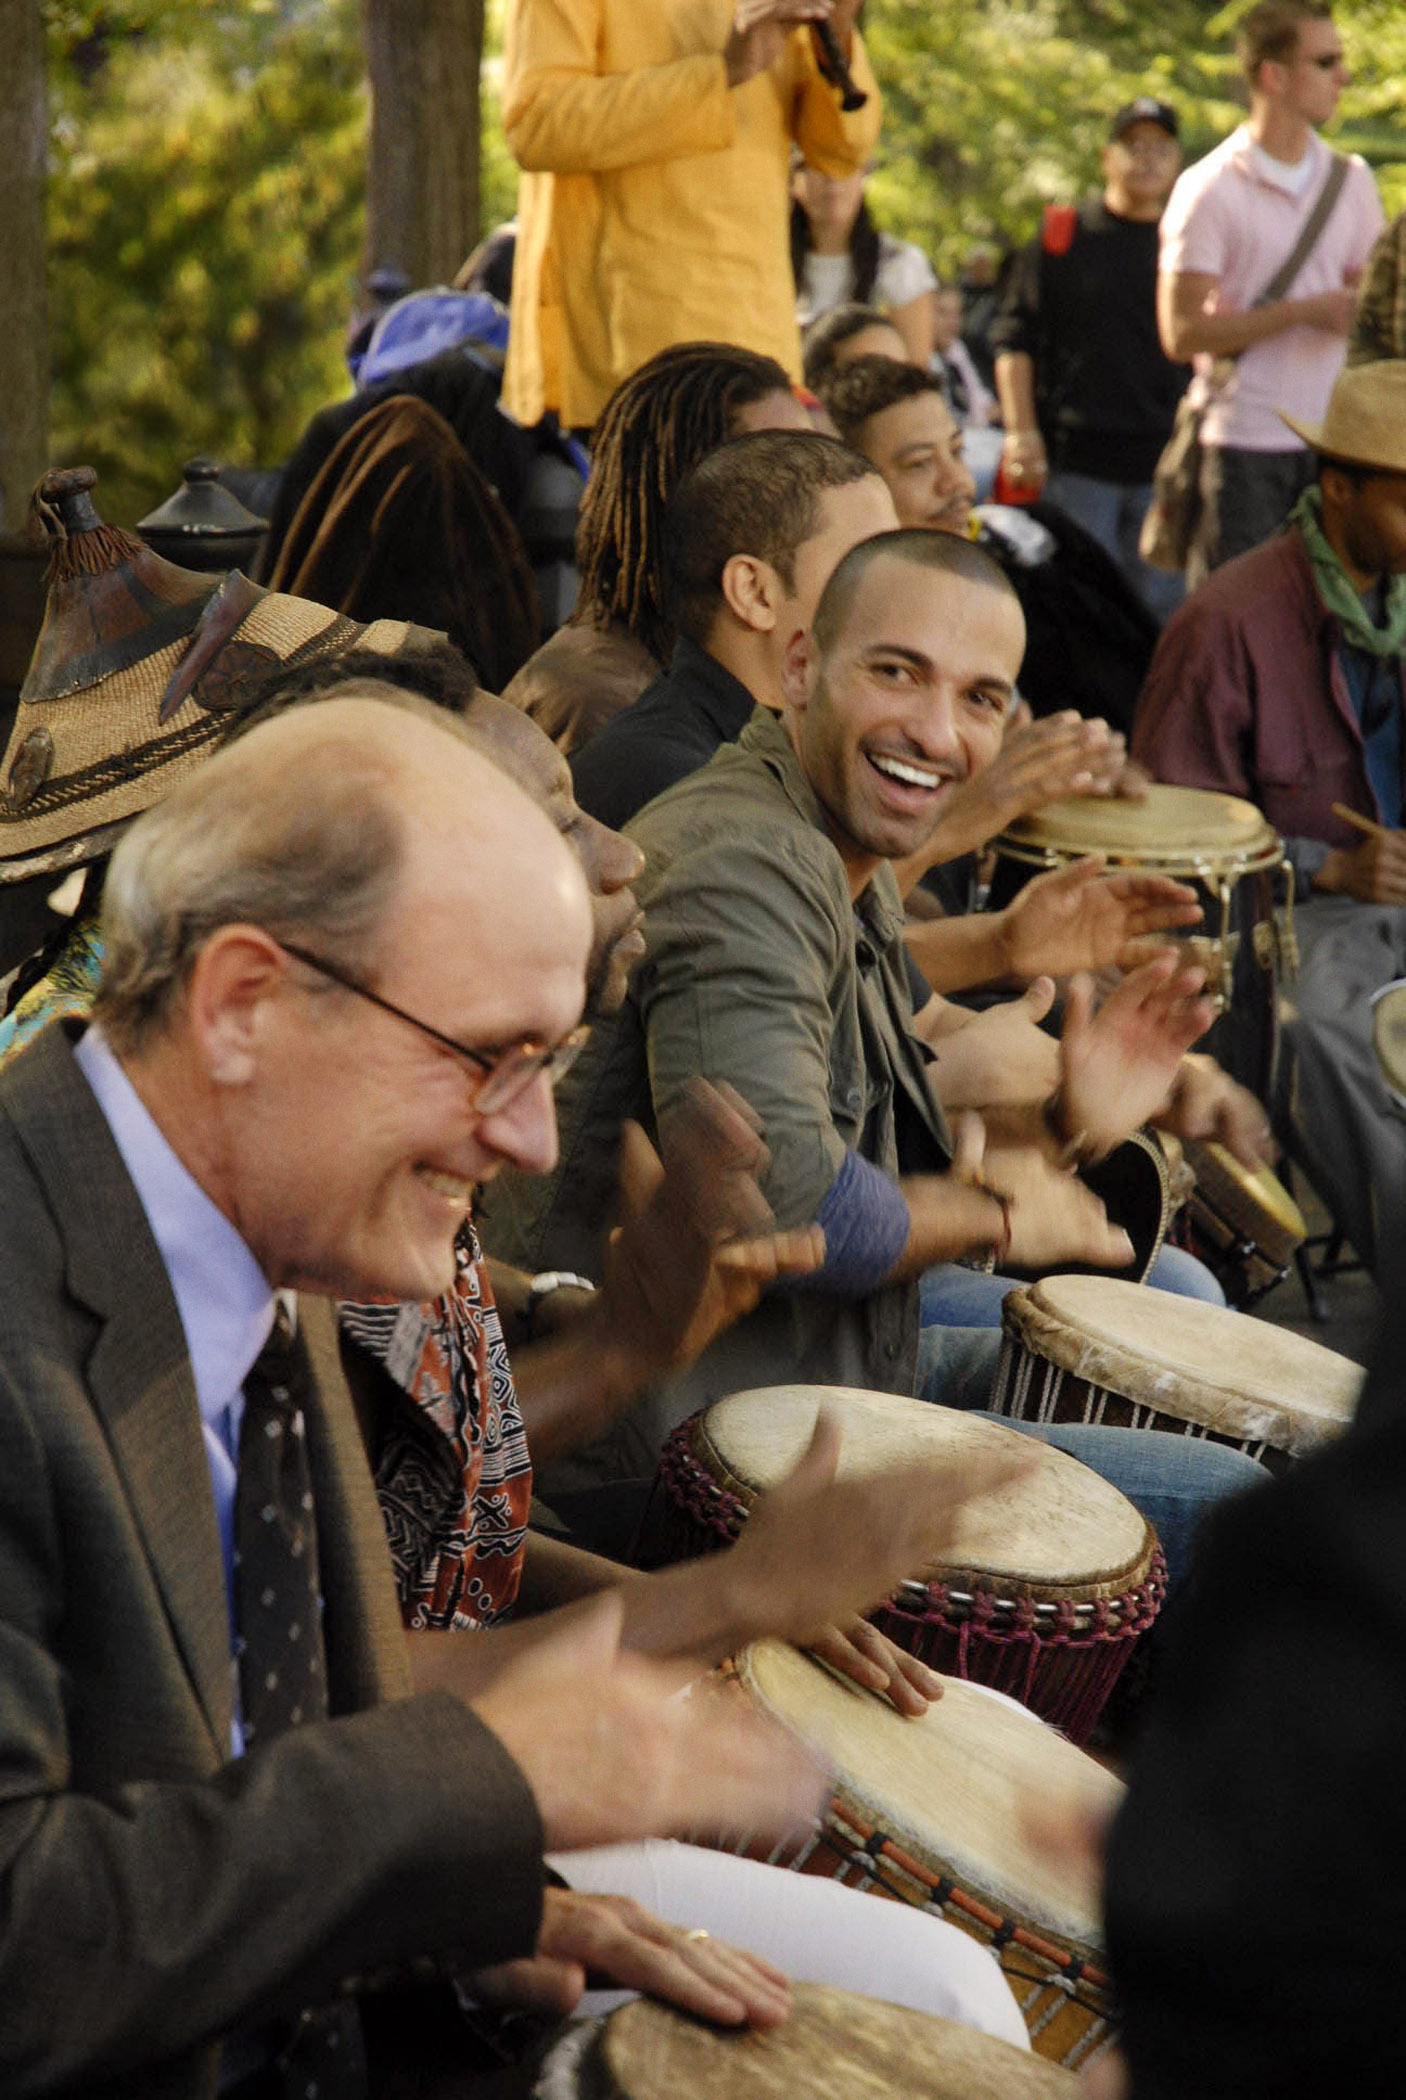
(995, 107)
(205, 215)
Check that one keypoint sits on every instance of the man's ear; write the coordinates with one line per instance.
(751, 592)
(798, 670)
(236, 975)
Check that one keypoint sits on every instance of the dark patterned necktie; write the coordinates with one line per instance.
(282, 1680)
(282, 1670)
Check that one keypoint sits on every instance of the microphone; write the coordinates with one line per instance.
(835, 70)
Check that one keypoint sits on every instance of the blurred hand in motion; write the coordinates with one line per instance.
(1079, 918)
(1119, 1064)
(999, 1057)
(695, 1247)
(612, 1751)
(612, 1940)
(821, 1546)
(1207, 1105)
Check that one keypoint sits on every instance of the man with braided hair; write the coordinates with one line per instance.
(654, 205)
(658, 424)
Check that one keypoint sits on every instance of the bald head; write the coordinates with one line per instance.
(337, 824)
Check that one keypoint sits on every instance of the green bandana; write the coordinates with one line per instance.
(1335, 586)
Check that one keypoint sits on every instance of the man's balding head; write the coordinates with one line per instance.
(326, 953)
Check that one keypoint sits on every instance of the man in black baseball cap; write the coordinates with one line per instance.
(1087, 394)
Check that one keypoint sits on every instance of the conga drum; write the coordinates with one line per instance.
(1092, 1349)
(835, 2046)
(1235, 860)
(937, 1812)
(1241, 1221)
(1050, 1580)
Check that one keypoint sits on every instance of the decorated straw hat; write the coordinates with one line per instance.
(1366, 419)
(138, 667)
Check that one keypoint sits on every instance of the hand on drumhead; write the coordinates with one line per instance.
(819, 1548)
(612, 1750)
(604, 1940)
(1119, 1065)
(857, 1650)
(1079, 918)
(1054, 1218)
(1207, 1105)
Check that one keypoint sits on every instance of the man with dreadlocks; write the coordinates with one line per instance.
(662, 421)
(655, 146)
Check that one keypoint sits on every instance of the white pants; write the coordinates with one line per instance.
(817, 1931)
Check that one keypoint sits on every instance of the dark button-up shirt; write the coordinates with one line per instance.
(673, 728)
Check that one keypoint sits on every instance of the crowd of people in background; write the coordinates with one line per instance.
(531, 978)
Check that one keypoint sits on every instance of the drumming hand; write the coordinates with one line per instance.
(694, 1250)
(817, 1549)
(612, 1940)
(1078, 918)
(1038, 762)
(612, 1752)
(1054, 1218)
(869, 1659)
(998, 1057)
(1120, 1064)
(1374, 872)
(1207, 1104)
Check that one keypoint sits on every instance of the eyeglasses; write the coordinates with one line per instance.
(499, 1076)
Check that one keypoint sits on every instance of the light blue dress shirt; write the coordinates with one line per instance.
(222, 1295)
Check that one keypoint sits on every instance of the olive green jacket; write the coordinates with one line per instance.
(759, 971)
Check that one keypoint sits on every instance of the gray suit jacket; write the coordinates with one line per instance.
(155, 1894)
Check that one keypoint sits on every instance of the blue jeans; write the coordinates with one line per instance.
(1112, 513)
(1172, 1480)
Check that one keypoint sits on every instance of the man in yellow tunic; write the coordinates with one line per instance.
(654, 138)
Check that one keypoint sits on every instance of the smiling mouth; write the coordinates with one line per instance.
(905, 773)
(451, 1186)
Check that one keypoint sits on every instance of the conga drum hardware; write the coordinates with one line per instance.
(932, 1812)
(835, 2046)
(1092, 1349)
(1222, 845)
(1242, 1221)
(1048, 1582)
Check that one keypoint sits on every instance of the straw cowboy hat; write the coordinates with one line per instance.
(1366, 420)
(138, 667)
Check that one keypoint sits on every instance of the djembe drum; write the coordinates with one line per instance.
(1092, 1349)
(1223, 847)
(1048, 1583)
(835, 2046)
(934, 1812)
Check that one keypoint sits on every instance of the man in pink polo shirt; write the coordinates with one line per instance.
(1232, 222)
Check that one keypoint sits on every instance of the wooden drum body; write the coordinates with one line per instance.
(933, 1812)
(1242, 1221)
(1050, 1580)
(835, 2046)
(1092, 1349)
(1223, 846)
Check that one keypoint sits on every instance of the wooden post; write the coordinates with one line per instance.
(422, 62)
(24, 307)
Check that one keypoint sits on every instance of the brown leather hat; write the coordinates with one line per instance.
(138, 667)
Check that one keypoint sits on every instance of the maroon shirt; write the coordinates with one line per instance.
(1246, 694)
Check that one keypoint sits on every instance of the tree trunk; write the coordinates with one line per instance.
(24, 309)
(422, 61)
